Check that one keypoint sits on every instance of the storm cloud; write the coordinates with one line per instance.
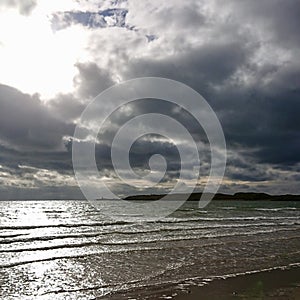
(242, 56)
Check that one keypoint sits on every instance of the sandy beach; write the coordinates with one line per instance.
(275, 285)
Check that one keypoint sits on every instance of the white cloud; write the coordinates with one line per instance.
(23, 6)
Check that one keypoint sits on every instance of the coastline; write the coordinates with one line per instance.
(240, 196)
(275, 284)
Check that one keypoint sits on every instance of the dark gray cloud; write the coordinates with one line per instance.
(52, 160)
(279, 19)
(25, 123)
(66, 107)
(150, 144)
(91, 80)
(260, 117)
(264, 117)
(201, 68)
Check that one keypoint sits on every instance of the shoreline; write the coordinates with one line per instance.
(272, 284)
(276, 284)
(240, 196)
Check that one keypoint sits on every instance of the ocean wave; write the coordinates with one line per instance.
(12, 235)
(276, 209)
(255, 218)
(9, 239)
(229, 208)
(68, 225)
(73, 256)
(163, 221)
(134, 232)
(139, 242)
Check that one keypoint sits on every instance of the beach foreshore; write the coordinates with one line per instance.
(275, 284)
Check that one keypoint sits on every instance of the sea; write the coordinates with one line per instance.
(69, 250)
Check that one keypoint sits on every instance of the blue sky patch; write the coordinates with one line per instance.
(115, 17)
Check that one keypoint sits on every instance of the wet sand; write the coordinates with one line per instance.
(267, 285)
(275, 285)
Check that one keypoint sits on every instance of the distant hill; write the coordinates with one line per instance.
(219, 196)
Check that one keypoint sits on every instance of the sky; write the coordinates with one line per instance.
(243, 57)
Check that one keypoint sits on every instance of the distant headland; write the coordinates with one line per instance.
(219, 196)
